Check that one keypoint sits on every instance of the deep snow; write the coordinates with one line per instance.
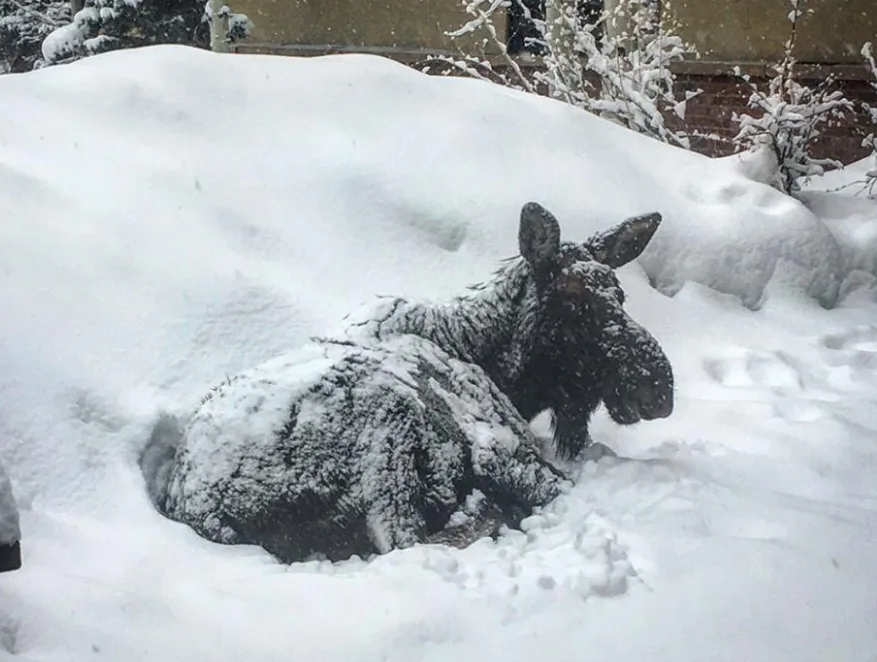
(171, 217)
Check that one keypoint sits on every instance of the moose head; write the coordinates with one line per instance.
(587, 348)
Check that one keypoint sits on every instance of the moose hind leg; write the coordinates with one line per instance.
(515, 481)
(392, 485)
(511, 485)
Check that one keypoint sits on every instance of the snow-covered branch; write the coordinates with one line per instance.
(631, 60)
(483, 12)
(103, 25)
(871, 139)
(788, 117)
(39, 15)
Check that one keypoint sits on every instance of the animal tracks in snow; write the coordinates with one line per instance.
(859, 339)
(851, 358)
(794, 391)
(773, 370)
(799, 385)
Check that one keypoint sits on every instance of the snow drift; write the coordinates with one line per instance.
(172, 216)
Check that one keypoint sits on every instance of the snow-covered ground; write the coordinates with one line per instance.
(170, 217)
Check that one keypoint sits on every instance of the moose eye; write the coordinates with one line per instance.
(572, 285)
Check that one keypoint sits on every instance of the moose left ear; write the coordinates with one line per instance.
(538, 235)
(625, 242)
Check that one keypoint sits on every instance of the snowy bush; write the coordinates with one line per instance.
(871, 139)
(788, 117)
(23, 26)
(627, 49)
(104, 25)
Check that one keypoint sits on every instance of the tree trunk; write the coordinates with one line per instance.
(77, 6)
(219, 26)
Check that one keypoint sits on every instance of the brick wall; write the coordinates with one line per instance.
(723, 94)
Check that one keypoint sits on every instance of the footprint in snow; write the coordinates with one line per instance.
(852, 358)
(859, 339)
(776, 371)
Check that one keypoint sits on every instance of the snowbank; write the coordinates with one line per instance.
(846, 201)
(178, 243)
(173, 216)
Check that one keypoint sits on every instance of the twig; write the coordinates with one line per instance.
(42, 17)
(503, 49)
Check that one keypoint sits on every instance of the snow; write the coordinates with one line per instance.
(66, 40)
(845, 202)
(174, 217)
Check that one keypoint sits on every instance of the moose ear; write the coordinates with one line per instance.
(538, 235)
(625, 242)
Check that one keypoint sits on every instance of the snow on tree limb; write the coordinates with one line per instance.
(103, 25)
(870, 183)
(788, 118)
(23, 26)
(29, 10)
(631, 64)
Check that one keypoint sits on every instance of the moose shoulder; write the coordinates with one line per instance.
(416, 418)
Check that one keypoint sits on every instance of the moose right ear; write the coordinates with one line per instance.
(538, 235)
(625, 242)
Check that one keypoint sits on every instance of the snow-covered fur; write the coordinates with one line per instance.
(414, 420)
(550, 329)
(342, 449)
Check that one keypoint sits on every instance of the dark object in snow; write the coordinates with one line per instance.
(550, 329)
(413, 424)
(10, 534)
(10, 557)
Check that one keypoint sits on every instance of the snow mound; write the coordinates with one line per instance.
(398, 162)
(173, 216)
(846, 201)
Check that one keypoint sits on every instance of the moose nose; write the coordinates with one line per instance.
(654, 404)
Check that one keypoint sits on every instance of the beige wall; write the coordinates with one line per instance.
(747, 30)
(388, 23)
(757, 29)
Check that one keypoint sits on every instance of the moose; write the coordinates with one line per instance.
(412, 424)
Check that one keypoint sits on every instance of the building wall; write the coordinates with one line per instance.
(722, 94)
(406, 24)
(721, 30)
(756, 30)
